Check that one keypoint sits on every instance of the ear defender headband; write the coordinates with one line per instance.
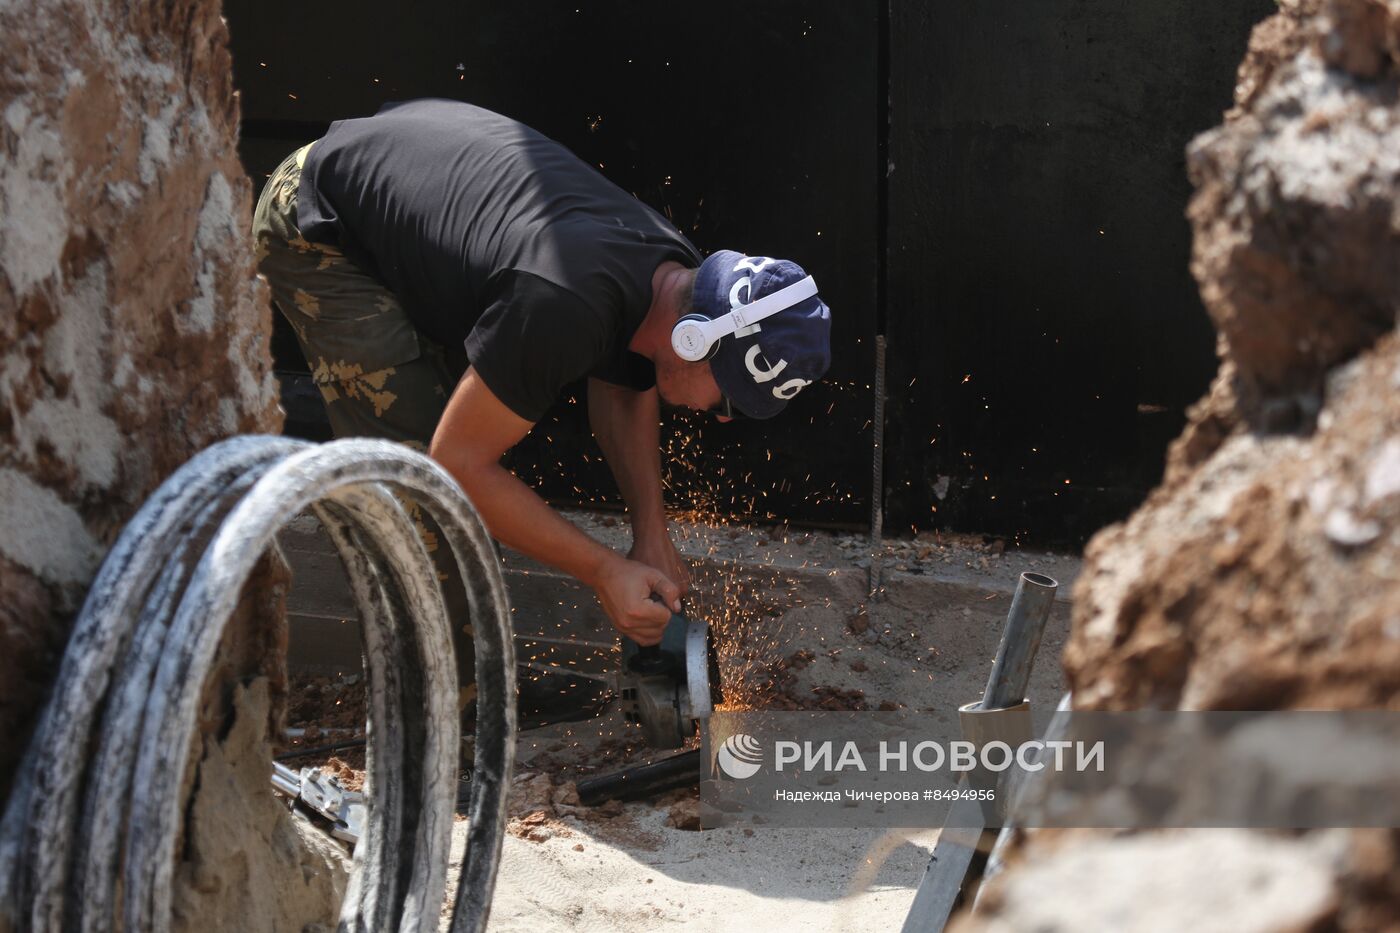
(696, 337)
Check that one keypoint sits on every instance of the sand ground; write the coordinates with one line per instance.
(662, 877)
(777, 879)
(630, 868)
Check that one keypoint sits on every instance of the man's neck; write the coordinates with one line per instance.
(653, 337)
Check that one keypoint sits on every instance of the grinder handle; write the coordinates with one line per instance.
(649, 660)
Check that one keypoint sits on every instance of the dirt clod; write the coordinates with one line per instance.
(133, 331)
(684, 815)
(859, 622)
(800, 659)
(352, 779)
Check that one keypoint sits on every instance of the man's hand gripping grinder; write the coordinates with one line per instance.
(666, 688)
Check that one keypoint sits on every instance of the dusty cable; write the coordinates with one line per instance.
(88, 837)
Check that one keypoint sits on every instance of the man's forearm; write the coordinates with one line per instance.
(518, 518)
(475, 431)
(627, 426)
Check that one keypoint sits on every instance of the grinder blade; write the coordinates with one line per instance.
(701, 671)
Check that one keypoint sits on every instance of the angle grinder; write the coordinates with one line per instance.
(665, 688)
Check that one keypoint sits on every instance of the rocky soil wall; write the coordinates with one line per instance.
(133, 333)
(1265, 572)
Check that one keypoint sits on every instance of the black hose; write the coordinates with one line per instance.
(88, 838)
(648, 780)
(320, 750)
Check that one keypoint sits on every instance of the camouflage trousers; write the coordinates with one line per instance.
(378, 375)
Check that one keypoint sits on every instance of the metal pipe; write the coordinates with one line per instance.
(648, 780)
(286, 780)
(1020, 640)
(946, 877)
(996, 861)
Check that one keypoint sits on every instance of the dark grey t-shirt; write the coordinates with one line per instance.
(494, 235)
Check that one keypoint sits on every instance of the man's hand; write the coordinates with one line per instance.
(625, 587)
(660, 552)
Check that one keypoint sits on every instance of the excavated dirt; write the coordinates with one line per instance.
(1265, 572)
(1262, 572)
(1267, 580)
(133, 334)
(248, 865)
(321, 704)
(322, 713)
(246, 862)
(132, 330)
(1294, 237)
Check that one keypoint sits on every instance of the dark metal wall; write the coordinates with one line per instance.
(1045, 333)
(754, 127)
(1017, 229)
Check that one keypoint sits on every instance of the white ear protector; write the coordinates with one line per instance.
(696, 337)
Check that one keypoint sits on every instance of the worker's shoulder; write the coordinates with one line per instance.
(438, 108)
(442, 116)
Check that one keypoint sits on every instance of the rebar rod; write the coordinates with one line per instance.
(877, 470)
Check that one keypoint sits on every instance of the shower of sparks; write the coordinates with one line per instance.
(726, 518)
(743, 597)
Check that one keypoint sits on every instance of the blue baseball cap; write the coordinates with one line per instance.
(761, 367)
